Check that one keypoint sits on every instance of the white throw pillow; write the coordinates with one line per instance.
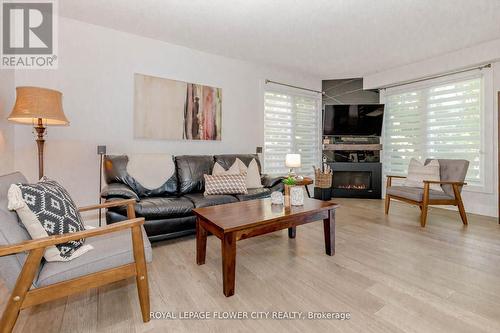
(252, 171)
(219, 169)
(417, 173)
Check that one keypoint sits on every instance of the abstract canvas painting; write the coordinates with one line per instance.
(176, 110)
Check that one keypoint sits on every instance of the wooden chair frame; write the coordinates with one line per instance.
(22, 297)
(426, 201)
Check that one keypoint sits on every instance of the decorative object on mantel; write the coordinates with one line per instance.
(292, 161)
(38, 107)
(277, 198)
(176, 110)
(323, 183)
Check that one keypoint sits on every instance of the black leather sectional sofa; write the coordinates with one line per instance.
(168, 208)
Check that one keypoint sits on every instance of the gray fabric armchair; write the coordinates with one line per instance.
(120, 251)
(452, 173)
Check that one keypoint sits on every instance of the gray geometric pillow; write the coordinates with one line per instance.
(48, 204)
(225, 184)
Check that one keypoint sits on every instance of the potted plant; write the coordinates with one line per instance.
(289, 182)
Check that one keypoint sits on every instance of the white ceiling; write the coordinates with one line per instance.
(326, 38)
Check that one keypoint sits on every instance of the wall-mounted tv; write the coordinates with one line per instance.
(361, 120)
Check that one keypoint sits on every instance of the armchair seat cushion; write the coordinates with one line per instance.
(416, 193)
(254, 193)
(110, 251)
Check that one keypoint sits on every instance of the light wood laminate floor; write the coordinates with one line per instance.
(390, 274)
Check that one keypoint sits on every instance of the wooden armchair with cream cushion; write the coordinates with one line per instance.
(452, 175)
(119, 251)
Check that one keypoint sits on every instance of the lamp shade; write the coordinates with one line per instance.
(292, 160)
(33, 103)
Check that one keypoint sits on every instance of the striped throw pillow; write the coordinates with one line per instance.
(225, 184)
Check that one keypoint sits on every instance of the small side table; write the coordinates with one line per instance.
(304, 182)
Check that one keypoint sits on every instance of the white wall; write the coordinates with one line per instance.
(96, 69)
(7, 98)
(480, 203)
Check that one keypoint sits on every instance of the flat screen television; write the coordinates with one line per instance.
(360, 120)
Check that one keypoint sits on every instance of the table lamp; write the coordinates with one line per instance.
(292, 161)
(38, 107)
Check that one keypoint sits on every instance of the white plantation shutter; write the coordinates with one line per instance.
(291, 125)
(440, 121)
(454, 124)
(402, 131)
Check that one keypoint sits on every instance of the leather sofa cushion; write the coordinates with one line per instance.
(190, 171)
(199, 200)
(227, 160)
(254, 193)
(155, 208)
(416, 193)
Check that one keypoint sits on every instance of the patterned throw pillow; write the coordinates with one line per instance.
(225, 184)
(46, 209)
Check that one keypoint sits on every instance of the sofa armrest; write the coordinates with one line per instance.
(278, 187)
(270, 181)
(118, 190)
(389, 179)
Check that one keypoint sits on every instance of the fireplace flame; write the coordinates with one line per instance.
(352, 187)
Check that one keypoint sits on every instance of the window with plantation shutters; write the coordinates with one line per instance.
(291, 125)
(439, 121)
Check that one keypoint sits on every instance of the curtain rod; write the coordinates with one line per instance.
(426, 78)
(292, 86)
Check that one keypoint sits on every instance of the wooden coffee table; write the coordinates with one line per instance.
(240, 220)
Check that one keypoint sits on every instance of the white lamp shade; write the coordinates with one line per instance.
(292, 160)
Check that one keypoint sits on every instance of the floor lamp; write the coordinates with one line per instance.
(38, 107)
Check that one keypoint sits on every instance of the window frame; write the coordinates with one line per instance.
(487, 119)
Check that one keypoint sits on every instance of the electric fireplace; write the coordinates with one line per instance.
(356, 180)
